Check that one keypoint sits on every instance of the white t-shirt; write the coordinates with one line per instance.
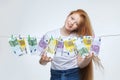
(64, 56)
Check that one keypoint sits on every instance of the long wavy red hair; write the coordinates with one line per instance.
(84, 29)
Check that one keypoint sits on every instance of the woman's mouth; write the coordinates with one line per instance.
(69, 25)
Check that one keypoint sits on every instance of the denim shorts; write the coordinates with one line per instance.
(70, 74)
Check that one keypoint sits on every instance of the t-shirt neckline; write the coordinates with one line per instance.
(63, 35)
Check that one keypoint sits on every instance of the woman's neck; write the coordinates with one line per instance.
(64, 32)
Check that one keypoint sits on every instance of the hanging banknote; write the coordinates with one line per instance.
(32, 42)
(60, 45)
(43, 43)
(13, 41)
(95, 48)
(69, 45)
(81, 48)
(22, 44)
(87, 40)
(52, 45)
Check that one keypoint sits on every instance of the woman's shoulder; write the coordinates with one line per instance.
(54, 32)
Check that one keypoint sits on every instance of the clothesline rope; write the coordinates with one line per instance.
(114, 35)
(109, 35)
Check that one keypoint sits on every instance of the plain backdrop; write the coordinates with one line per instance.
(36, 17)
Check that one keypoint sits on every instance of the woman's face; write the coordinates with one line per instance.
(72, 22)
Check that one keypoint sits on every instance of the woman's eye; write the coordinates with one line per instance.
(72, 18)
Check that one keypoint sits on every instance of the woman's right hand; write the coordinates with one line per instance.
(83, 62)
(45, 59)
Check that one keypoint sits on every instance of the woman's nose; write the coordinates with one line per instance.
(71, 22)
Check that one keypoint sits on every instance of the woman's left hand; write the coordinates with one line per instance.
(83, 62)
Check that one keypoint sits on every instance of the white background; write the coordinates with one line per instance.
(36, 17)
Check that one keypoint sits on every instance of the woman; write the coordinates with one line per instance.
(66, 63)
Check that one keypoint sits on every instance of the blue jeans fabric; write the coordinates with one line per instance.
(70, 74)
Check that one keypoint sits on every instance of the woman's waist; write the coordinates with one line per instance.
(67, 71)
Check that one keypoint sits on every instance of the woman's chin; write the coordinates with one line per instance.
(68, 29)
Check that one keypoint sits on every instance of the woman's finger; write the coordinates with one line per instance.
(45, 58)
(89, 56)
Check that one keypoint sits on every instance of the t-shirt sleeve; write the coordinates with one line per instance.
(43, 43)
